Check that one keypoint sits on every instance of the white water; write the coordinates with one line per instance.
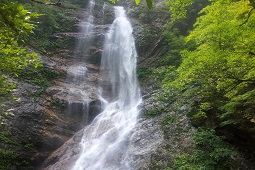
(87, 26)
(105, 140)
(77, 73)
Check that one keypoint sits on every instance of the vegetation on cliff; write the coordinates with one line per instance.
(16, 26)
(210, 65)
(221, 68)
(215, 75)
(30, 27)
(25, 33)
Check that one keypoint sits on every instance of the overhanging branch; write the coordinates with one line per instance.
(248, 17)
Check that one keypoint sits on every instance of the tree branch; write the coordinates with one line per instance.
(9, 23)
(248, 17)
(252, 53)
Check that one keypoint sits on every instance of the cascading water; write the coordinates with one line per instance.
(87, 27)
(77, 73)
(105, 141)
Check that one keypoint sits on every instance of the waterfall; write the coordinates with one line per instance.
(77, 73)
(87, 26)
(105, 141)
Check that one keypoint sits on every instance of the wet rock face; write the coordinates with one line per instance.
(41, 124)
(145, 139)
(48, 121)
(64, 157)
(148, 25)
(38, 126)
(147, 135)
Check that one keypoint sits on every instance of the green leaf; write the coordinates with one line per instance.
(14, 31)
(220, 70)
(149, 3)
(137, 2)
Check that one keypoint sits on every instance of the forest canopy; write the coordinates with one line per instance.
(221, 69)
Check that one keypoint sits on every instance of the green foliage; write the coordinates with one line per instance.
(7, 159)
(15, 21)
(152, 76)
(168, 120)
(211, 152)
(5, 138)
(220, 70)
(148, 33)
(178, 8)
(166, 123)
(176, 44)
(9, 152)
(144, 73)
(10, 159)
(59, 103)
(154, 112)
(15, 28)
(137, 2)
(39, 76)
(29, 145)
(184, 25)
(52, 20)
(149, 2)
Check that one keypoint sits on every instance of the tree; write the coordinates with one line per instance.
(221, 68)
(15, 28)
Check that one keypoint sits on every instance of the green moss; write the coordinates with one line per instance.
(59, 103)
(53, 20)
(40, 76)
(211, 152)
(7, 159)
(154, 112)
(144, 73)
(29, 145)
(168, 120)
(5, 138)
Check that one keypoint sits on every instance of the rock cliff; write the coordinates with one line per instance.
(48, 127)
(147, 135)
(43, 123)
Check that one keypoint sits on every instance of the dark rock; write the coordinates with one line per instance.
(52, 123)
(241, 138)
(65, 156)
(149, 28)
